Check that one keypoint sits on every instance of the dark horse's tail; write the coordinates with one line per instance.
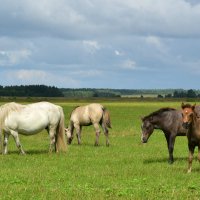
(106, 118)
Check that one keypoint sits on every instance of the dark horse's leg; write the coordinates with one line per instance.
(170, 144)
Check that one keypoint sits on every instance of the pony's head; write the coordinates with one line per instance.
(68, 135)
(147, 129)
(187, 114)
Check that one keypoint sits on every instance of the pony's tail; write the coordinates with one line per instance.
(60, 133)
(106, 118)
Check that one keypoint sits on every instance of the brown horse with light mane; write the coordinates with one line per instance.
(191, 121)
(95, 114)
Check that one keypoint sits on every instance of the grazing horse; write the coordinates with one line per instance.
(87, 115)
(31, 119)
(169, 120)
(191, 121)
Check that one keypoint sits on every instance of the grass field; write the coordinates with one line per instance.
(125, 170)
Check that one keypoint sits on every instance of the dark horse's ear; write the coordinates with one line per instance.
(142, 118)
(182, 105)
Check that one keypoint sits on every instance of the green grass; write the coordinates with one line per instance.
(125, 170)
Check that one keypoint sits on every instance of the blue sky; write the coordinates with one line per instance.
(133, 44)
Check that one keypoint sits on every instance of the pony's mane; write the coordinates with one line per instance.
(187, 105)
(158, 112)
(8, 108)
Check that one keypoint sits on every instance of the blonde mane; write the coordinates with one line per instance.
(6, 109)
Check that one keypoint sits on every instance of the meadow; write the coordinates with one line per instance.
(125, 170)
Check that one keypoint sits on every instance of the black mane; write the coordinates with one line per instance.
(158, 112)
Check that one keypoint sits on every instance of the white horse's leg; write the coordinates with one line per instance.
(5, 143)
(18, 144)
(78, 132)
(52, 146)
(97, 130)
(105, 130)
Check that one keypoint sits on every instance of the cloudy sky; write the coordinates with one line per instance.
(133, 44)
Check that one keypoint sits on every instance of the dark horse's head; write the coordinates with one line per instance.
(147, 129)
(187, 114)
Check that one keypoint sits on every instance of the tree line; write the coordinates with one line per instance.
(30, 91)
(183, 94)
(51, 91)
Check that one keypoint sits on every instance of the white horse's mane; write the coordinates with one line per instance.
(6, 109)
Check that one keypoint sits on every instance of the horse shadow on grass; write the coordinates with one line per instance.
(163, 160)
(29, 152)
(88, 145)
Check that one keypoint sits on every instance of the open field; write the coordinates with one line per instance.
(125, 170)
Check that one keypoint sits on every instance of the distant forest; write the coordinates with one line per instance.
(141, 93)
(51, 91)
(30, 91)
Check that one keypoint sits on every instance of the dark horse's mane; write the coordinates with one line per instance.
(158, 112)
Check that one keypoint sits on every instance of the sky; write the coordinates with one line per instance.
(119, 44)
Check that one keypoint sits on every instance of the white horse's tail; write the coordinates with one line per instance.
(106, 118)
(60, 133)
(1, 141)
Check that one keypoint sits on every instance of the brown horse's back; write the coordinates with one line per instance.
(86, 115)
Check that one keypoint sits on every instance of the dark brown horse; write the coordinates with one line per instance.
(169, 120)
(191, 121)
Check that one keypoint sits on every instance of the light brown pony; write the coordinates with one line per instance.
(191, 121)
(87, 115)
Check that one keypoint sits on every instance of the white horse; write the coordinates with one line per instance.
(87, 115)
(31, 119)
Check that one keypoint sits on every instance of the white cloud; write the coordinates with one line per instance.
(9, 57)
(84, 19)
(129, 64)
(31, 74)
(24, 77)
(118, 53)
(91, 46)
(87, 73)
(156, 43)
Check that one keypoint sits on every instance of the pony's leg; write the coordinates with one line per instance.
(171, 148)
(97, 130)
(52, 140)
(18, 144)
(105, 130)
(5, 143)
(198, 153)
(190, 157)
(78, 132)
